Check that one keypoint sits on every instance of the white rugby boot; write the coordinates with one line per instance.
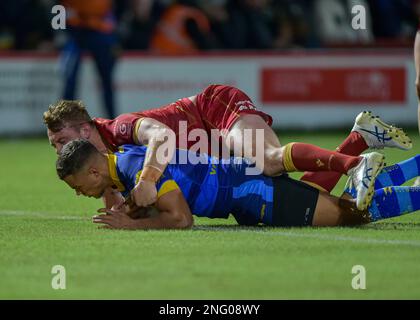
(363, 177)
(378, 134)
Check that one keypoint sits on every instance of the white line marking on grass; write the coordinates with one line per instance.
(313, 235)
(41, 215)
(316, 236)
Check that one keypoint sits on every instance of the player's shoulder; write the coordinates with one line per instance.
(124, 117)
(130, 157)
(128, 150)
(100, 121)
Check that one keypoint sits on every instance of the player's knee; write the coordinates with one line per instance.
(349, 215)
(273, 161)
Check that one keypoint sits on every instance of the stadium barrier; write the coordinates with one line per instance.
(299, 89)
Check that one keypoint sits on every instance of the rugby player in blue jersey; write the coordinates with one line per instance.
(194, 184)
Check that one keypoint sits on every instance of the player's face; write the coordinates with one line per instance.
(60, 138)
(88, 183)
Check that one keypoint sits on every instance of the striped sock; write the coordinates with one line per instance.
(398, 173)
(394, 201)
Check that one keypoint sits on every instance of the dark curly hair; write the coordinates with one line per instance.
(73, 157)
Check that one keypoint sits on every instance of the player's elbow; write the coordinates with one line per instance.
(164, 134)
(183, 220)
(273, 162)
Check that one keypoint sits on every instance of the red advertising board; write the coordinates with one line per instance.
(329, 85)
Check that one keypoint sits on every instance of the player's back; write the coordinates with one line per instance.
(215, 187)
(211, 187)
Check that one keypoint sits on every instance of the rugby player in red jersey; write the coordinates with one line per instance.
(231, 111)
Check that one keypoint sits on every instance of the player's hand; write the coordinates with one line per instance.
(120, 205)
(112, 219)
(144, 194)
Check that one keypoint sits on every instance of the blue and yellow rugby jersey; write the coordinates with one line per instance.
(211, 189)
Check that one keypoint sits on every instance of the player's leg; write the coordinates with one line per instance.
(362, 170)
(399, 173)
(394, 201)
(272, 160)
(302, 156)
(297, 204)
(387, 203)
(70, 63)
(291, 157)
(394, 175)
(368, 132)
(305, 157)
(103, 49)
(331, 211)
(417, 182)
(225, 107)
(418, 116)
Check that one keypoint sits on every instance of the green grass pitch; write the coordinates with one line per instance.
(43, 223)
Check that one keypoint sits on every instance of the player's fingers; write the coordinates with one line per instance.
(137, 199)
(102, 218)
(105, 210)
(152, 200)
(132, 211)
(119, 206)
(129, 201)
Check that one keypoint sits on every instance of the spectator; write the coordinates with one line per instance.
(250, 24)
(218, 16)
(293, 24)
(139, 22)
(393, 19)
(182, 29)
(90, 27)
(211, 24)
(30, 33)
(417, 67)
(334, 21)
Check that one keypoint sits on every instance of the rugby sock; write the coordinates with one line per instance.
(306, 157)
(353, 145)
(399, 173)
(394, 201)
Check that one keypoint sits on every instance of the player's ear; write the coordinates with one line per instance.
(85, 131)
(93, 171)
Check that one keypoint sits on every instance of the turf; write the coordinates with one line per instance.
(43, 224)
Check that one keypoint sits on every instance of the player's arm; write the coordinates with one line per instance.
(159, 152)
(417, 60)
(112, 198)
(417, 64)
(174, 213)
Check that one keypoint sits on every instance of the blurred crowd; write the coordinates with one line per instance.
(177, 26)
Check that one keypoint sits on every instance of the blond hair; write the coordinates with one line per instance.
(65, 112)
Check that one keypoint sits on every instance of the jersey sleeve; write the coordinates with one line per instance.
(118, 131)
(166, 184)
(129, 164)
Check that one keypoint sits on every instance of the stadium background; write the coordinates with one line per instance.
(299, 60)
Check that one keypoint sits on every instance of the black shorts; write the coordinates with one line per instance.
(294, 202)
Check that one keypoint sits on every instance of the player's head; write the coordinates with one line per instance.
(67, 120)
(83, 168)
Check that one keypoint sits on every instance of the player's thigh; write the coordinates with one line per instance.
(294, 203)
(332, 211)
(251, 122)
(418, 111)
(327, 211)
